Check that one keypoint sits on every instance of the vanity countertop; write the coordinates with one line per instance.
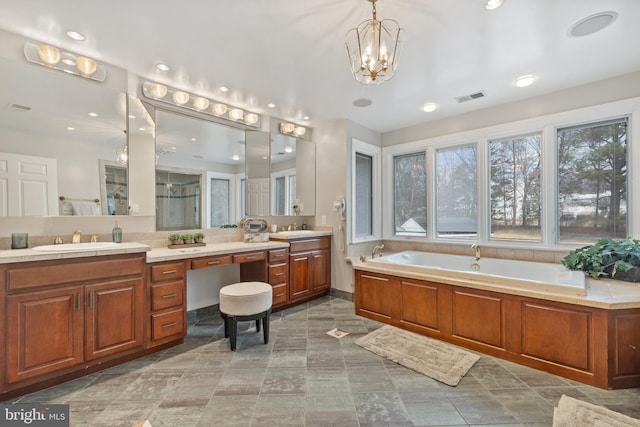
(166, 254)
(298, 234)
(25, 255)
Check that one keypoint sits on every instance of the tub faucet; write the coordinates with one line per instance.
(476, 247)
(375, 250)
(76, 236)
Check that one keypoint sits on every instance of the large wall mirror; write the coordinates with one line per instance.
(60, 140)
(292, 176)
(199, 172)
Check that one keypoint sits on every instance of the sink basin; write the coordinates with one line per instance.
(292, 233)
(68, 247)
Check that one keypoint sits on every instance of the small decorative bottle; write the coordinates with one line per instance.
(116, 233)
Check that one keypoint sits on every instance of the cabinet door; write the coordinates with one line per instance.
(299, 275)
(113, 317)
(44, 332)
(319, 270)
(627, 344)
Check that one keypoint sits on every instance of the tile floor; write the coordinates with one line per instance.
(305, 377)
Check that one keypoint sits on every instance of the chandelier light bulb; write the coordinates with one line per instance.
(50, 55)
(86, 66)
(200, 103)
(180, 97)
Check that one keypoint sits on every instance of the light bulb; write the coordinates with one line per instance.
(157, 90)
(287, 127)
(180, 97)
(236, 114)
(86, 66)
(299, 131)
(50, 55)
(251, 118)
(200, 103)
(219, 109)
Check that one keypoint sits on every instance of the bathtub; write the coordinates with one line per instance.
(524, 275)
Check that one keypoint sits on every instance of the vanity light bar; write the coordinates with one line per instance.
(182, 99)
(292, 129)
(53, 57)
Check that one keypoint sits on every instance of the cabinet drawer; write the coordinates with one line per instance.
(279, 294)
(249, 257)
(310, 244)
(167, 271)
(211, 261)
(167, 295)
(278, 273)
(167, 324)
(278, 255)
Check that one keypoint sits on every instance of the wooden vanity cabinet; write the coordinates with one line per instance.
(278, 276)
(67, 315)
(309, 267)
(167, 319)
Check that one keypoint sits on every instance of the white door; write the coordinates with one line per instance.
(28, 185)
(258, 196)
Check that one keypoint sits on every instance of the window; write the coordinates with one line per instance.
(366, 166)
(592, 181)
(364, 195)
(177, 200)
(456, 192)
(410, 194)
(220, 200)
(516, 199)
(279, 196)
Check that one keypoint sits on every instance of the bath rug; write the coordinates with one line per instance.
(573, 412)
(436, 359)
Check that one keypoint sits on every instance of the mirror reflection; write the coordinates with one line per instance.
(199, 172)
(59, 139)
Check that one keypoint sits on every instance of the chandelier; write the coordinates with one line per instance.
(374, 49)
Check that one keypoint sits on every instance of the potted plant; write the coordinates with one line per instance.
(615, 258)
(199, 237)
(188, 238)
(175, 239)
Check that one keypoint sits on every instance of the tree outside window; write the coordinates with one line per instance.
(592, 181)
(516, 199)
(410, 194)
(457, 192)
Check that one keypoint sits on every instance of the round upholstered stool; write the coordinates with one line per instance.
(245, 301)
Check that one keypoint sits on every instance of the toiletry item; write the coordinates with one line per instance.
(116, 233)
(19, 240)
(274, 228)
(304, 226)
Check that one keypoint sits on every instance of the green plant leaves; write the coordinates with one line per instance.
(605, 257)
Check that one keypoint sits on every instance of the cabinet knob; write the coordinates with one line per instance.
(633, 347)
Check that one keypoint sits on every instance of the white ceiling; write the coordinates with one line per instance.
(292, 52)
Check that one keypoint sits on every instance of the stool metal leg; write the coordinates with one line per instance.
(233, 332)
(258, 325)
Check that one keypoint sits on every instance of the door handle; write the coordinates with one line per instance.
(169, 271)
(168, 296)
(78, 301)
(90, 299)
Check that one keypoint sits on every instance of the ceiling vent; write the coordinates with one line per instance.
(469, 97)
(18, 107)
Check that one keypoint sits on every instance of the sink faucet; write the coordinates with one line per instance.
(476, 247)
(76, 236)
(292, 227)
(375, 250)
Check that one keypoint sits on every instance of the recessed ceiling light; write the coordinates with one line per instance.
(306, 117)
(271, 105)
(524, 81)
(592, 24)
(429, 107)
(131, 116)
(493, 4)
(362, 102)
(162, 67)
(223, 89)
(93, 114)
(76, 36)
(71, 128)
(142, 129)
(235, 157)
(193, 139)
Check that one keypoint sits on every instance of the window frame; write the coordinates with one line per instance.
(375, 152)
(546, 125)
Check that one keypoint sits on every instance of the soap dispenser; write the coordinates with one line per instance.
(116, 233)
